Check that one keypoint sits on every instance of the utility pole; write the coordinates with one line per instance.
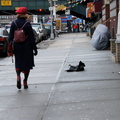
(55, 8)
(51, 14)
(54, 13)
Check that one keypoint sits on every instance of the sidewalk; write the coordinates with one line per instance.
(54, 94)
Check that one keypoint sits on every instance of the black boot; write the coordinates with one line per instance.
(25, 84)
(19, 84)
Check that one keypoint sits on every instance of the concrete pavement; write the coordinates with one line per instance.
(55, 94)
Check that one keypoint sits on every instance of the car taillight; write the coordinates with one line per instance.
(2, 39)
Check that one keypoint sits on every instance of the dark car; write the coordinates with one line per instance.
(48, 29)
(43, 30)
(3, 41)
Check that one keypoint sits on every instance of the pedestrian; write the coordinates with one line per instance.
(75, 27)
(86, 28)
(78, 28)
(23, 51)
(81, 27)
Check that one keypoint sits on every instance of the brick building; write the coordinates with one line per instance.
(110, 11)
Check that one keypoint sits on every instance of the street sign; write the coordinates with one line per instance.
(6, 2)
(54, 11)
(50, 8)
(69, 17)
(67, 12)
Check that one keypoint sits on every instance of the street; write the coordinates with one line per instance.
(55, 94)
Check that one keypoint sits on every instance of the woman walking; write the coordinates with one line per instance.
(23, 51)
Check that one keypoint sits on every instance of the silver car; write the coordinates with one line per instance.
(40, 30)
(37, 28)
(37, 39)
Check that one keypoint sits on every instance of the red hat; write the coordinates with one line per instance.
(21, 10)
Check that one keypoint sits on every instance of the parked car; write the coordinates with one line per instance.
(43, 30)
(40, 30)
(7, 26)
(48, 29)
(36, 27)
(8, 29)
(3, 41)
(37, 35)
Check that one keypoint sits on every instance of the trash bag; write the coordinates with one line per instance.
(100, 38)
(79, 67)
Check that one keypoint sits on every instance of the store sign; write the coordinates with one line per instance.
(90, 7)
(6, 2)
(60, 7)
(88, 14)
(67, 12)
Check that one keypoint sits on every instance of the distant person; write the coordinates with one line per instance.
(86, 28)
(73, 30)
(69, 26)
(78, 30)
(24, 51)
(81, 27)
(75, 27)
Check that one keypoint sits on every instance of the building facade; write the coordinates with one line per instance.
(110, 11)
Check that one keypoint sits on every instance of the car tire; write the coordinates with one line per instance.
(45, 38)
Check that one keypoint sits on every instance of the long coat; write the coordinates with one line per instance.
(24, 58)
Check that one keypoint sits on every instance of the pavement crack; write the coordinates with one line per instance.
(57, 78)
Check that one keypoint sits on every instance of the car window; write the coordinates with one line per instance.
(35, 25)
(35, 28)
(8, 29)
(47, 27)
(5, 32)
(40, 27)
(43, 26)
(1, 32)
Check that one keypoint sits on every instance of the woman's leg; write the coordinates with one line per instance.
(18, 79)
(26, 74)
